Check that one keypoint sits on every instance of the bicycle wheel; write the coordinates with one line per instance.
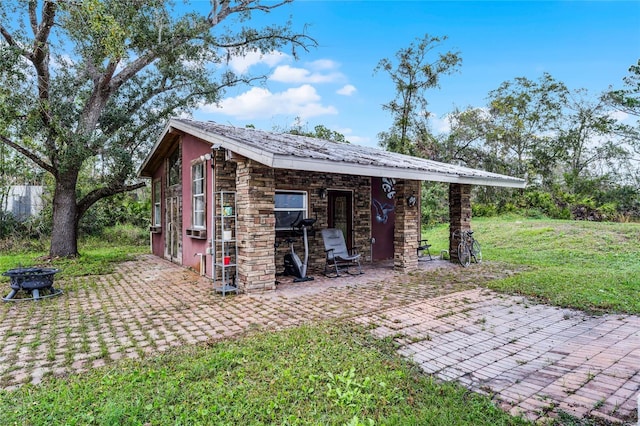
(476, 251)
(464, 256)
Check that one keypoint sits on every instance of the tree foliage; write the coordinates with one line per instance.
(319, 131)
(590, 146)
(579, 153)
(627, 101)
(570, 149)
(92, 81)
(415, 69)
(524, 115)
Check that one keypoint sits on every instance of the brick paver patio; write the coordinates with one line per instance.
(535, 359)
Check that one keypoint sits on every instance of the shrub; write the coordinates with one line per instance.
(8, 224)
(129, 208)
(534, 214)
(434, 203)
(16, 236)
(483, 210)
(126, 235)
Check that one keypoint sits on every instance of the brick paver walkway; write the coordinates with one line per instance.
(533, 357)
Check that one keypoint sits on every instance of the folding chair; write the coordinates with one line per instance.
(339, 258)
(423, 246)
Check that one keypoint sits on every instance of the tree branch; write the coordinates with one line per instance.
(106, 191)
(99, 97)
(221, 9)
(39, 57)
(30, 155)
(295, 39)
(132, 69)
(32, 16)
(9, 39)
(224, 10)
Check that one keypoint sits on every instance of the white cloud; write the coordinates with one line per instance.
(293, 75)
(440, 125)
(348, 134)
(323, 64)
(359, 140)
(258, 103)
(346, 90)
(344, 130)
(619, 115)
(241, 64)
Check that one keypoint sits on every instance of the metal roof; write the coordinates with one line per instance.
(287, 151)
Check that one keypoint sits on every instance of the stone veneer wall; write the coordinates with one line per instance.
(312, 183)
(407, 228)
(459, 214)
(225, 173)
(256, 224)
(255, 186)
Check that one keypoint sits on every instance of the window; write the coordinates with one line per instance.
(156, 221)
(198, 201)
(173, 168)
(290, 207)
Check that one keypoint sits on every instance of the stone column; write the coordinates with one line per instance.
(256, 226)
(459, 215)
(407, 226)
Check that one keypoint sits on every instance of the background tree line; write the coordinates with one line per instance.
(83, 108)
(575, 149)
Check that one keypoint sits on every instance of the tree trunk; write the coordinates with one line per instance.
(64, 235)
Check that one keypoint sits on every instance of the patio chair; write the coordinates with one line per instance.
(423, 246)
(339, 258)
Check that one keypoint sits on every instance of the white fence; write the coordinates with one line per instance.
(22, 201)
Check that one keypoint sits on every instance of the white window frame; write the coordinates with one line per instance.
(157, 203)
(303, 209)
(198, 216)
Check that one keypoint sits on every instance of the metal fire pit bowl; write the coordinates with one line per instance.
(32, 280)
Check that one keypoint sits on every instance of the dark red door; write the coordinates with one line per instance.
(383, 217)
(341, 213)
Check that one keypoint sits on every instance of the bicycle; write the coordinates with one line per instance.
(467, 248)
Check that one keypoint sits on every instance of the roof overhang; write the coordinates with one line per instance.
(162, 147)
(461, 175)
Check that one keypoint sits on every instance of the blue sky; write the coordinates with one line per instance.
(585, 44)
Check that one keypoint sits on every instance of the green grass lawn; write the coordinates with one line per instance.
(326, 374)
(98, 256)
(332, 373)
(585, 265)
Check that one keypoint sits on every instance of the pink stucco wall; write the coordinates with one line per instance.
(192, 149)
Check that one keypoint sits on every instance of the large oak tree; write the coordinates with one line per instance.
(92, 80)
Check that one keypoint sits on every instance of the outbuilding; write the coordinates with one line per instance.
(224, 199)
